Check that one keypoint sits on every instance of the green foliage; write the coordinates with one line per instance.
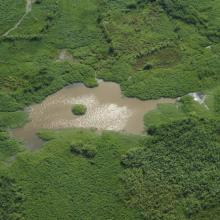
(183, 108)
(174, 175)
(196, 13)
(8, 103)
(56, 182)
(164, 114)
(153, 49)
(8, 147)
(38, 21)
(83, 149)
(171, 175)
(79, 109)
(45, 135)
(217, 101)
(166, 57)
(182, 10)
(31, 75)
(161, 57)
(10, 12)
(12, 119)
(91, 83)
(11, 204)
(154, 85)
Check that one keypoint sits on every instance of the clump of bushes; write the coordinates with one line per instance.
(83, 149)
(91, 83)
(79, 109)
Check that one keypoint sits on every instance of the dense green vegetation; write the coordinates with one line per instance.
(217, 101)
(184, 108)
(79, 109)
(59, 184)
(11, 12)
(11, 199)
(171, 175)
(153, 49)
(164, 55)
(175, 174)
(161, 56)
(83, 149)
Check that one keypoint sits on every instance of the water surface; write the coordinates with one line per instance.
(107, 109)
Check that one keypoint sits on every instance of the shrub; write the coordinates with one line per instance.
(85, 150)
(89, 151)
(91, 82)
(148, 66)
(79, 109)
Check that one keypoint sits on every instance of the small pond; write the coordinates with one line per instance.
(107, 109)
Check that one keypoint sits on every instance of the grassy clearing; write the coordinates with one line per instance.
(184, 108)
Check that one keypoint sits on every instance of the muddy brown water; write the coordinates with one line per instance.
(107, 109)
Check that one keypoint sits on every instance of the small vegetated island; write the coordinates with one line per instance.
(79, 109)
(152, 49)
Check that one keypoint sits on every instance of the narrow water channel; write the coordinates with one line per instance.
(107, 109)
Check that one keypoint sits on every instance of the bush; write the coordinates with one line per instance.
(91, 83)
(83, 149)
(79, 109)
(148, 66)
